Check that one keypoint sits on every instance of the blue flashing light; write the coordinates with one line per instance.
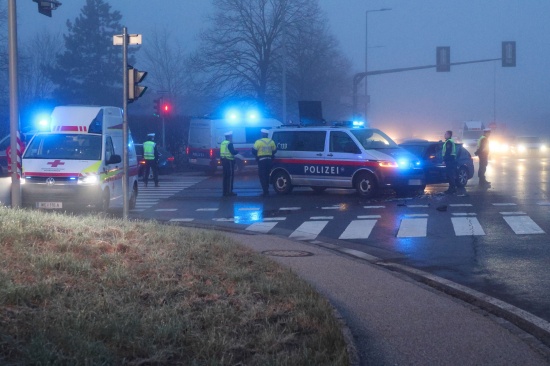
(233, 116)
(358, 123)
(42, 122)
(403, 163)
(253, 116)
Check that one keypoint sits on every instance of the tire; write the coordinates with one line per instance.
(365, 184)
(462, 177)
(317, 189)
(133, 198)
(281, 182)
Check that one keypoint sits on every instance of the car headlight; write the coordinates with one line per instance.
(90, 179)
(543, 148)
(522, 148)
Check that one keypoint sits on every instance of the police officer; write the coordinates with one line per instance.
(264, 149)
(227, 155)
(151, 156)
(449, 158)
(483, 154)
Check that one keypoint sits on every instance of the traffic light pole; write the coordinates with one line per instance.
(125, 122)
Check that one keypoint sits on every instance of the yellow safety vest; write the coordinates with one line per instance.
(224, 150)
(149, 150)
(453, 150)
(479, 141)
(264, 147)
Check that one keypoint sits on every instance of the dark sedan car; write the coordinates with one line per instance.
(166, 160)
(429, 152)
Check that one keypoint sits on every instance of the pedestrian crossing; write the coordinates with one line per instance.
(151, 195)
(362, 227)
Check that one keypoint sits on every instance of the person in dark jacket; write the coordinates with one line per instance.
(482, 153)
(227, 155)
(449, 158)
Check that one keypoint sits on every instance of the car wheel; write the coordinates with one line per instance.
(318, 189)
(281, 182)
(133, 198)
(462, 177)
(365, 184)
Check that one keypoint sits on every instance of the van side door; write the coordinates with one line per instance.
(344, 152)
(113, 171)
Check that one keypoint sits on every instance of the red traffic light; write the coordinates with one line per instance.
(166, 108)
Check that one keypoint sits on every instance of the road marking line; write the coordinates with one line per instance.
(369, 217)
(417, 206)
(166, 209)
(207, 209)
(416, 215)
(308, 230)
(224, 219)
(289, 208)
(513, 213)
(412, 228)
(331, 208)
(274, 218)
(321, 217)
(543, 203)
(464, 214)
(523, 225)
(467, 226)
(358, 229)
(261, 227)
(504, 204)
(460, 205)
(182, 220)
(248, 209)
(374, 206)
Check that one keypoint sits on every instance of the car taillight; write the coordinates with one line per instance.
(187, 150)
(171, 158)
(142, 162)
(211, 153)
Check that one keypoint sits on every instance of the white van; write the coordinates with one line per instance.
(341, 157)
(206, 135)
(79, 163)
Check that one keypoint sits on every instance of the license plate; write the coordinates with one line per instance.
(49, 204)
(415, 182)
(192, 160)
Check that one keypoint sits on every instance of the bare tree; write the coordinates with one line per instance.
(36, 56)
(241, 55)
(166, 64)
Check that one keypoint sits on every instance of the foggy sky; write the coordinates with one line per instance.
(406, 36)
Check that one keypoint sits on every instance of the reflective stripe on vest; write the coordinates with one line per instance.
(149, 150)
(264, 147)
(453, 150)
(224, 150)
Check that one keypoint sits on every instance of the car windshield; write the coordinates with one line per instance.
(373, 139)
(417, 150)
(65, 146)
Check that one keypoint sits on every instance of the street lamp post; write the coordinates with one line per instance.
(367, 98)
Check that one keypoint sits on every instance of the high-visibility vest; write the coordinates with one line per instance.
(453, 150)
(479, 141)
(149, 150)
(224, 150)
(264, 147)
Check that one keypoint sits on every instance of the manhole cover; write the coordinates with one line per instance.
(287, 253)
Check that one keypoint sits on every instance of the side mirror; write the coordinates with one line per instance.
(115, 159)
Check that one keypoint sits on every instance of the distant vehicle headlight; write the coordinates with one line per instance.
(522, 148)
(89, 179)
(543, 148)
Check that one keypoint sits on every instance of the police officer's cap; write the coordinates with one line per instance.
(228, 133)
(487, 130)
(263, 130)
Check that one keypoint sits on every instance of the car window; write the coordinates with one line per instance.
(65, 146)
(341, 142)
(300, 140)
(373, 139)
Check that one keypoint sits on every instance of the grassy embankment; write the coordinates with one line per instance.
(90, 290)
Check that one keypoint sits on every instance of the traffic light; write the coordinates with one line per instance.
(135, 77)
(166, 108)
(443, 59)
(157, 107)
(509, 54)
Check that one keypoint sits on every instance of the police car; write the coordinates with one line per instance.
(342, 157)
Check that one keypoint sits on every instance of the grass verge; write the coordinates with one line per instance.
(91, 290)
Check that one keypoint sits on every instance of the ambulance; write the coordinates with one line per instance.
(365, 159)
(78, 164)
(207, 134)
